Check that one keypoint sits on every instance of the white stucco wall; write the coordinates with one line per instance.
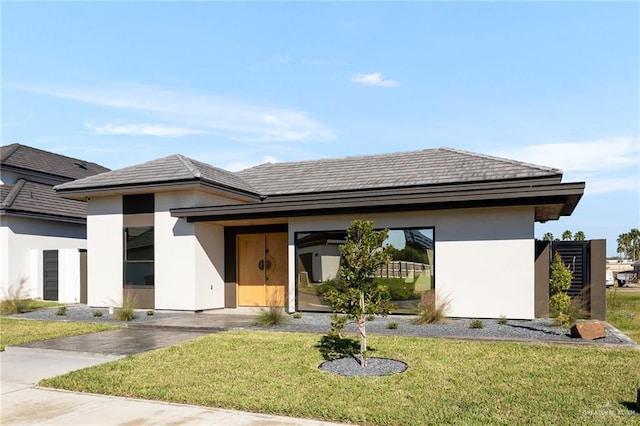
(104, 251)
(484, 258)
(22, 241)
(189, 258)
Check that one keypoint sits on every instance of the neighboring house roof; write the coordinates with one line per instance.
(36, 199)
(404, 169)
(427, 179)
(174, 169)
(27, 159)
(32, 192)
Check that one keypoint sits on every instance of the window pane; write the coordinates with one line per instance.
(409, 274)
(138, 273)
(139, 243)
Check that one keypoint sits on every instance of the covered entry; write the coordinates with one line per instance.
(262, 269)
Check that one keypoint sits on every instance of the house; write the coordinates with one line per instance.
(41, 234)
(176, 233)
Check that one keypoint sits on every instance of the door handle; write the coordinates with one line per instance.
(264, 264)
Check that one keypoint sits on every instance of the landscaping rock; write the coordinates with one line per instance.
(588, 330)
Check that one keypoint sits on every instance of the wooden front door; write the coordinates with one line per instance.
(262, 269)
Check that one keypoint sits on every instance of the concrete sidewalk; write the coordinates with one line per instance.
(25, 404)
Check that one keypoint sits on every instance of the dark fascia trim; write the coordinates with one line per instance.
(386, 201)
(148, 187)
(44, 216)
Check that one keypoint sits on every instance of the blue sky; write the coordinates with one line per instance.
(238, 84)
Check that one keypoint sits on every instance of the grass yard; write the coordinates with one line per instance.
(16, 331)
(623, 311)
(448, 382)
(12, 306)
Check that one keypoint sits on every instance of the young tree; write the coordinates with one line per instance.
(559, 283)
(567, 235)
(357, 295)
(579, 236)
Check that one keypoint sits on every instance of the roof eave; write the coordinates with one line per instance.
(148, 187)
(43, 216)
(566, 196)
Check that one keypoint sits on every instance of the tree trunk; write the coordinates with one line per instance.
(363, 334)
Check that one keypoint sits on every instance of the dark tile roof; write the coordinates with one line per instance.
(404, 169)
(28, 158)
(174, 168)
(30, 197)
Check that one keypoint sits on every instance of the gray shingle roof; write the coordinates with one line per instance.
(28, 158)
(416, 168)
(31, 197)
(405, 169)
(174, 168)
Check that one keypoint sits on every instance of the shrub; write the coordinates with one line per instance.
(559, 303)
(392, 325)
(502, 320)
(297, 315)
(476, 323)
(126, 312)
(97, 313)
(15, 299)
(62, 310)
(429, 312)
(150, 313)
(273, 315)
(371, 317)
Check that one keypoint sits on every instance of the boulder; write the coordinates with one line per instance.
(588, 330)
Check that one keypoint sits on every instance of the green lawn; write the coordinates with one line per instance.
(623, 311)
(12, 306)
(447, 382)
(16, 331)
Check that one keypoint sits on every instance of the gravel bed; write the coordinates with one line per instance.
(537, 330)
(82, 313)
(375, 367)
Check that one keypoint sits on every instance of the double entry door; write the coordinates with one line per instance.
(262, 269)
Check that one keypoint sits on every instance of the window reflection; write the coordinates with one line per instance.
(407, 276)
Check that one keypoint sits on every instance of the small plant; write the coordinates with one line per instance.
(476, 323)
(429, 312)
(371, 317)
(273, 315)
(15, 300)
(97, 313)
(126, 312)
(297, 315)
(150, 313)
(502, 320)
(62, 310)
(392, 325)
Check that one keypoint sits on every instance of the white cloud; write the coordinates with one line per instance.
(183, 109)
(606, 165)
(580, 156)
(373, 79)
(141, 130)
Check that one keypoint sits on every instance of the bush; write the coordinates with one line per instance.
(392, 325)
(273, 315)
(429, 312)
(476, 323)
(559, 303)
(62, 310)
(126, 312)
(15, 300)
(502, 320)
(297, 315)
(150, 313)
(97, 313)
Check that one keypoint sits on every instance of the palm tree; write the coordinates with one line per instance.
(579, 236)
(548, 236)
(567, 235)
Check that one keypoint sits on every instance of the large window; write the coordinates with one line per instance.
(409, 275)
(138, 255)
